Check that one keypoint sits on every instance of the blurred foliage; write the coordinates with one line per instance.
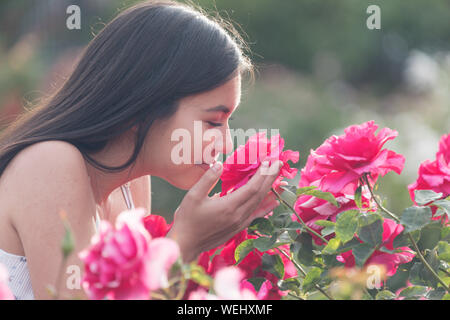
(320, 70)
(295, 33)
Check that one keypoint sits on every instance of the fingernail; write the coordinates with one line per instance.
(217, 166)
(265, 164)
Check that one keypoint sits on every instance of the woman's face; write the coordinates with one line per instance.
(179, 149)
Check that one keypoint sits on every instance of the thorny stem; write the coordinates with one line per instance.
(298, 217)
(411, 238)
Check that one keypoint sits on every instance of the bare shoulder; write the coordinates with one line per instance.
(49, 171)
(47, 154)
(54, 157)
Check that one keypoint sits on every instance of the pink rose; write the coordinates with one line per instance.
(123, 262)
(435, 175)
(390, 260)
(245, 161)
(337, 165)
(156, 225)
(5, 292)
(229, 284)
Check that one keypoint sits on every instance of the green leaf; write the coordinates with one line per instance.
(281, 220)
(257, 282)
(346, 225)
(358, 196)
(443, 250)
(432, 259)
(325, 223)
(332, 246)
(415, 218)
(243, 249)
(348, 246)
(372, 233)
(385, 295)
(272, 263)
(415, 274)
(436, 294)
(262, 225)
(311, 279)
(423, 197)
(413, 292)
(291, 284)
(329, 227)
(386, 250)
(445, 234)
(288, 196)
(362, 252)
(366, 218)
(327, 231)
(312, 191)
(444, 205)
(302, 249)
(430, 235)
(330, 261)
(302, 190)
(264, 243)
(293, 225)
(402, 240)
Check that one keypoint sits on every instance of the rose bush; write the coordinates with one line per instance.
(332, 234)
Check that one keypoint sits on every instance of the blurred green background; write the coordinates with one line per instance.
(320, 69)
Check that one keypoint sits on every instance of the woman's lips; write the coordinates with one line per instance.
(204, 166)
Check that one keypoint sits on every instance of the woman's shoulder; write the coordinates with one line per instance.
(45, 166)
(49, 152)
(46, 155)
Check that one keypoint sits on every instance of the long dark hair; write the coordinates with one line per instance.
(132, 73)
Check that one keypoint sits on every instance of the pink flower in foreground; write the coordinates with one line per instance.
(390, 260)
(245, 161)
(229, 284)
(123, 262)
(435, 175)
(5, 292)
(340, 161)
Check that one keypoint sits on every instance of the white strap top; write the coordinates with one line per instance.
(19, 278)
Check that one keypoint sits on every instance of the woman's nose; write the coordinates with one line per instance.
(223, 143)
(228, 142)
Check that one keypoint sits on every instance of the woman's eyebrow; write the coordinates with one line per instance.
(220, 108)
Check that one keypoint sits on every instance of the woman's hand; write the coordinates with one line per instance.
(202, 223)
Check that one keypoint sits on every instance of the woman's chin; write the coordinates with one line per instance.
(186, 180)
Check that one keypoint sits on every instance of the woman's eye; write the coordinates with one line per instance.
(214, 124)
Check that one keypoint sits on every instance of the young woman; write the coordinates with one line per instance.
(157, 67)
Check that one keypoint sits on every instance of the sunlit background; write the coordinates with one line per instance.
(320, 69)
